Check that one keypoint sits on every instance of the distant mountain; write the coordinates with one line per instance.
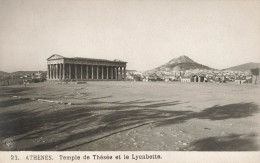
(27, 72)
(245, 67)
(181, 63)
(130, 71)
(2, 73)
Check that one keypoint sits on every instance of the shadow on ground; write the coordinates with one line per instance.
(13, 102)
(239, 110)
(75, 126)
(232, 142)
(7, 91)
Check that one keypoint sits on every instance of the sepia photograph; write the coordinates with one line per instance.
(85, 75)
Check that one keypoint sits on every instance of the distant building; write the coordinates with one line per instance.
(63, 68)
(129, 77)
(37, 75)
(240, 81)
(198, 78)
(145, 79)
(185, 80)
(223, 79)
(168, 78)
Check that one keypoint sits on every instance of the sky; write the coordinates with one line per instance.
(146, 34)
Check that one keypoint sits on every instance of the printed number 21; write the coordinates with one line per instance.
(14, 157)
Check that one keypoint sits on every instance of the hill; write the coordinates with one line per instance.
(245, 67)
(3, 73)
(27, 72)
(181, 63)
(130, 71)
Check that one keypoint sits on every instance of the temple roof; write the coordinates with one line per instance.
(56, 56)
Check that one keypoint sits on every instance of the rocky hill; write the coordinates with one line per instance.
(181, 63)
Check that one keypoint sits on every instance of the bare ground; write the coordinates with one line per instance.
(130, 116)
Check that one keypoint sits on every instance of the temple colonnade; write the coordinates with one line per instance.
(65, 71)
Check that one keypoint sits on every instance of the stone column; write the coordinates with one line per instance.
(76, 71)
(81, 71)
(57, 72)
(124, 73)
(49, 67)
(69, 71)
(63, 71)
(102, 72)
(50, 71)
(86, 71)
(92, 72)
(112, 73)
(116, 73)
(97, 71)
(53, 71)
(60, 74)
(107, 72)
(121, 73)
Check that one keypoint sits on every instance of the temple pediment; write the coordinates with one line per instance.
(55, 56)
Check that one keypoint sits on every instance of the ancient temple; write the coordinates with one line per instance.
(74, 69)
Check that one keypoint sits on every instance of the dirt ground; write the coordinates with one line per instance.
(130, 116)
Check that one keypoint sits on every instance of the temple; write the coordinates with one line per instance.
(74, 69)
